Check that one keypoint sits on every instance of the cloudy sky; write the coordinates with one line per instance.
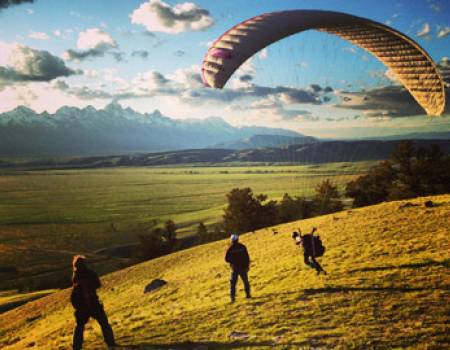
(147, 55)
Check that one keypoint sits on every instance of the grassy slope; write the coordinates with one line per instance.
(11, 299)
(388, 286)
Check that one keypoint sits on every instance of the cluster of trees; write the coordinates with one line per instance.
(160, 241)
(409, 173)
(248, 212)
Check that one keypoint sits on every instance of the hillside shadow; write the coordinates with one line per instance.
(444, 263)
(344, 289)
(211, 345)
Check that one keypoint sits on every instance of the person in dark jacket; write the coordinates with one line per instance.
(86, 303)
(306, 241)
(239, 260)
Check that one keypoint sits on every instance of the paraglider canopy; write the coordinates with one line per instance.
(411, 65)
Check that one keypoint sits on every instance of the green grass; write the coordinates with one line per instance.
(47, 216)
(138, 195)
(387, 288)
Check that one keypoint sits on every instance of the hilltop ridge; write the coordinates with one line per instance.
(388, 278)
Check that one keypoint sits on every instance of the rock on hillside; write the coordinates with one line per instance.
(387, 287)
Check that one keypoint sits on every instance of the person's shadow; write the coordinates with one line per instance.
(426, 263)
(211, 345)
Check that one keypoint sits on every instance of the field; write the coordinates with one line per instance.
(387, 287)
(47, 216)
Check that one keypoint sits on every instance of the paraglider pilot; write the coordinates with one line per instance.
(308, 242)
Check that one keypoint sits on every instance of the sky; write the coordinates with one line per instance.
(147, 55)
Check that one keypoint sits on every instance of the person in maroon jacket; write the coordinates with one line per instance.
(86, 303)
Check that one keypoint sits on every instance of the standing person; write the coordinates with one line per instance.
(86, 303)
(239, 260)
(309, 255)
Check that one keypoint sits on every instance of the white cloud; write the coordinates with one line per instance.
(443, 32)
(263, 54)
(20, 63)
(270, 111)
(206, 44)
(264, 103)
(93, 38)
(435, 6)
(44, 97)
(158, 16)
(38, 36)
(302, 64)
(189, 78)
(6, 50)
(151, 80)
(385, 76)
(246, 68)
(91, 73)
(350, 49)
(30, 11)
(110, 75)
(425, 31)
(394, 101)
(391, 76)
(93, 42)
(243, 75)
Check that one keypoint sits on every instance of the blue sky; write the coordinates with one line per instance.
(114, 49)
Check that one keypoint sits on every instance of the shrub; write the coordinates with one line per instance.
(326, 199)
(202, 232)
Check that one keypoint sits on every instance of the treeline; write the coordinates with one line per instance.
(410, 172)
(247, 212)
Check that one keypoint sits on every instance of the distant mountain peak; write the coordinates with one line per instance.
(23, 110)
(66, 110)
(113, 129)
(156, 114)
(217, 121)
(89, 109)
(113, 106)
(21, 115)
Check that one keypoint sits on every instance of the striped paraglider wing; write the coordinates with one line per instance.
(412, 66)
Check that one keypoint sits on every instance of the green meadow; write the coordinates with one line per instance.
(46, 216)
(138, 195)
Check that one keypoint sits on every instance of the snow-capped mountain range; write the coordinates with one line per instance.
(114, 129)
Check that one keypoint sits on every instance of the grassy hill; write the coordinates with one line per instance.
(388, 287)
